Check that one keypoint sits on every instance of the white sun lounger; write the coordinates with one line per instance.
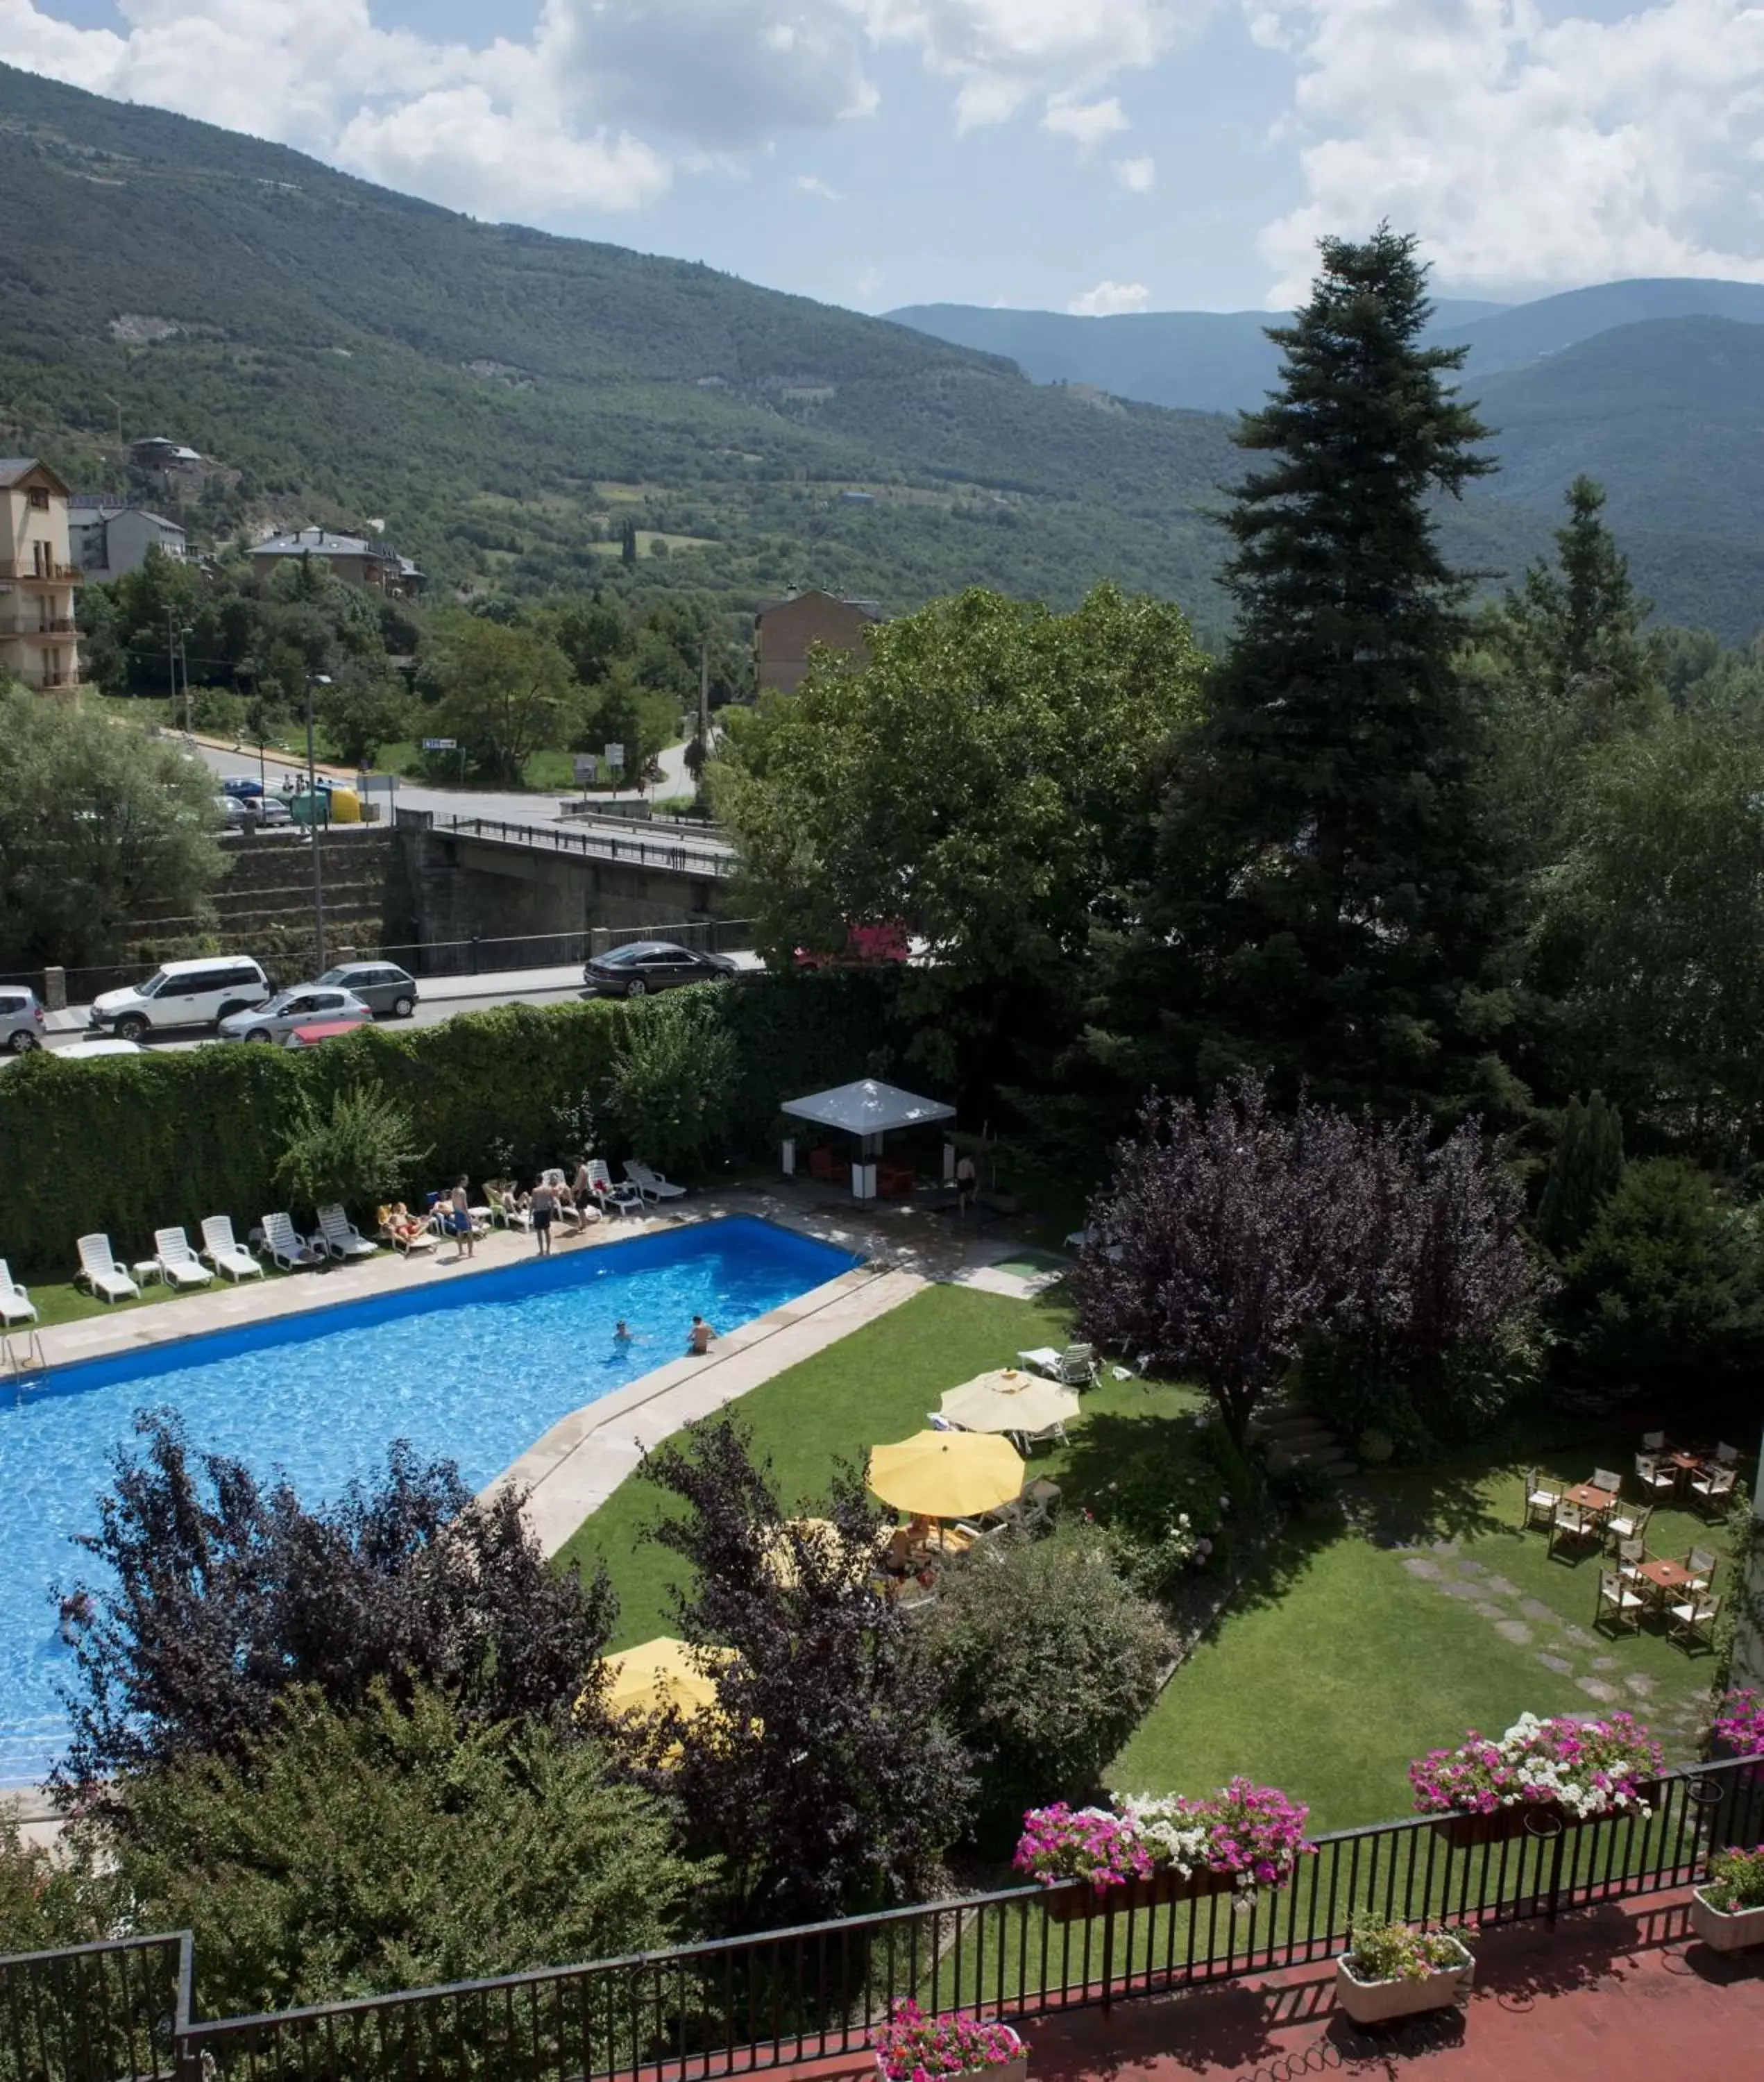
(340, 1236)
(224, 1252)
(179, 1264)
(283, 1244)
(107, 1279)
(651, 1184)
(600, 1183)
(16, 1306)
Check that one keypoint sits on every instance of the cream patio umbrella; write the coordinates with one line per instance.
(779, 1560)
(946, 1474)
(1009, 1400)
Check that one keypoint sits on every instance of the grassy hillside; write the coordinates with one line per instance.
(501, 396)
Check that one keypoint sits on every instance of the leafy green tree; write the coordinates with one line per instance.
(95, 824)
(1047, 1661)
(620, 709)
(359, 1150)
(506, 692)
(1585, 1167)
(985, 776)
(1651, 932)
(1325, 905)
(356, 1853)
(366, 707)
(1669, 1286)
(593, 635)
(672, 1086)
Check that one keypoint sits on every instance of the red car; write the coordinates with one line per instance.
(865, 945)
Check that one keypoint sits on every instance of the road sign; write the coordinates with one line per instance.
(440, 744)
(615, 756)
(587, 768)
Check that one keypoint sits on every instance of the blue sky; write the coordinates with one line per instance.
(1091, 155)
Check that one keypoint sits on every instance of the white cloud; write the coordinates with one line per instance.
(1086, 123)
(1528, 152)
(813, 184)
(1109, 300)
(869, 285)
(1003, 52)
(1139, 176)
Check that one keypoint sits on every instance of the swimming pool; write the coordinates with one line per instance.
(476, 1371)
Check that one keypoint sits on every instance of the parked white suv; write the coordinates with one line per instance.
(194, 993)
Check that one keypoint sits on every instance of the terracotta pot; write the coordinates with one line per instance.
(1378, 2002)
(1009, 2071)
(1078, 1904)
(1726, 1933)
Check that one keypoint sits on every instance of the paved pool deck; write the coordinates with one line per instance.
(901, 1248)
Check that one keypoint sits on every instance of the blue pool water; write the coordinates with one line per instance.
(475, 1371)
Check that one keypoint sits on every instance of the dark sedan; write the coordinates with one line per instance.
(647, 965)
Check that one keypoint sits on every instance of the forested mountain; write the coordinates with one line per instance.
(499, 396)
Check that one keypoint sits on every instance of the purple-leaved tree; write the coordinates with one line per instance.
(1228, 1237)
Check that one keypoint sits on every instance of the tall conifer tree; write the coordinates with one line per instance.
(1324, 901)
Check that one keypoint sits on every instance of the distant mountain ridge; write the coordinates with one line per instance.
(1222, 361)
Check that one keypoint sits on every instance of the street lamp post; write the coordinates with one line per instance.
(315, 679)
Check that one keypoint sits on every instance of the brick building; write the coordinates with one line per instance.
(784, 629)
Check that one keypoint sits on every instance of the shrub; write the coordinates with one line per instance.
(358, 1151)
(47, 1903)
(1047, 1661)
(395, 1845)
(672, 1088)
(1669, 1286)
(217, 1597)
(1736, 1880)
(1400, 1952)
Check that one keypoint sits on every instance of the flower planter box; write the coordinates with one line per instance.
(1078, 1904)
(1720, 1933)
(1379, 2002)
(1506, 1825)
(1004, 2071)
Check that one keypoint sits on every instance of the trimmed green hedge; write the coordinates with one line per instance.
(128, 1143)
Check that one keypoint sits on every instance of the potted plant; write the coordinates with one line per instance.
(912, 2047)
(1146, 1850)
(1727, 1911)
(1394, 1970)
(1491, 1789)
(1738, 1730)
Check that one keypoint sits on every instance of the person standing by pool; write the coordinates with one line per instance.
(542, 1205)
(698, 1340)
(462, 1219)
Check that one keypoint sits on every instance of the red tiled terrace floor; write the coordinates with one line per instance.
(1620, 1993)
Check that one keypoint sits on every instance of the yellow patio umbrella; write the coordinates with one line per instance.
(946, 1474)
(1009, 1400)
(661, 1674)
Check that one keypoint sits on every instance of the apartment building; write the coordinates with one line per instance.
(108, 537)
(39, 643)
(786, 630)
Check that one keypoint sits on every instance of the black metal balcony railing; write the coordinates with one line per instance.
(741, 2005)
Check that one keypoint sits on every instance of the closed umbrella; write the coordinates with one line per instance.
(1010, 1399)
(946, 1474)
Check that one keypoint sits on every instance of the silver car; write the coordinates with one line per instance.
(382, 986)
(304, 1005)
(21, 1019)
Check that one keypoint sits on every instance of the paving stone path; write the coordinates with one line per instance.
(1560, 1645)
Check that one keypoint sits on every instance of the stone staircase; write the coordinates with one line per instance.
(1293, 1434)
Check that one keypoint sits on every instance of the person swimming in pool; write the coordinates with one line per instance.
(621, 1332)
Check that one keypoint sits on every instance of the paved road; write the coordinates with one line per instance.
(438, 998)
(522, 808)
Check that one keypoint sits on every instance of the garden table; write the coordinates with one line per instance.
(1662, 1577)
(1590, 1498)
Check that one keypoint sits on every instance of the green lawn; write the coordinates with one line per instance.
(60, 1301)
(1342, 1662)
(1343, 1658)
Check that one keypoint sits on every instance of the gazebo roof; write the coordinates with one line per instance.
(868, 1108)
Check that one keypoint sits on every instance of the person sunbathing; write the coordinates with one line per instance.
(399, 1223)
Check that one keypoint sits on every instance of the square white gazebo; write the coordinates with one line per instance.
(867, 1110)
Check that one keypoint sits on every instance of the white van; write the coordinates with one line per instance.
(194, 993)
